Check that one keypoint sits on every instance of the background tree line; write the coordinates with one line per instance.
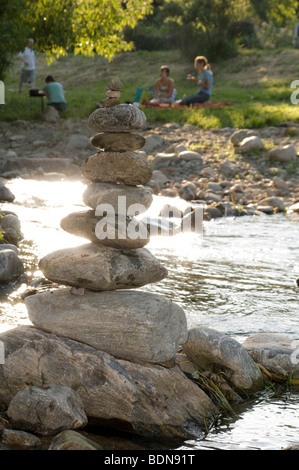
(215, 28)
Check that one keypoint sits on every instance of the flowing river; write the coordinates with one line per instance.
(238, 277)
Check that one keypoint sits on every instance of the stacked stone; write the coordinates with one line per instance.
(101, 308)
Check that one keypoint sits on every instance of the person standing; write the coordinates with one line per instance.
(28, 65)
(204, 81)
(54, 93)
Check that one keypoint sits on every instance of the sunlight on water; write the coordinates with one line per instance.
(238, 277)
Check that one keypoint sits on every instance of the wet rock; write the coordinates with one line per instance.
(120, 118)
(214, 351)
(279, 354)
(19, 439)
(83, 224)
(117, 167)
(98, 267)
(11, 266)
(149, 400)
(72, 440)
(5, 194)
(46, 410)
(116, 322)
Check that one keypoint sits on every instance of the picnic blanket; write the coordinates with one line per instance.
(147, 104)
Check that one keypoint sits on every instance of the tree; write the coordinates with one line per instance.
(84, 26)
(12, 32)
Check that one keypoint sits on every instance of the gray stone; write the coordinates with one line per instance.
(214, 351)
(98, 267)
(189, 155)
(228, 168)
(73, 440)
(118, 197)
(275, 202)
(241, 134)
(119, 118)
(11, 266)
(279, 354)
(5, 194)
(114, 83)
(117, 167)
(131, 325)
(46, 410)
(83, 224)
(250, 144)
(283, 154)
(117, 141)
(150, 400)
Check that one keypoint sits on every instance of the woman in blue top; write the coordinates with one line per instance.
(54, 92)
(204, 81)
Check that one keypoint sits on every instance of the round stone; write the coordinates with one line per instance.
(114, 83)
(119, 118)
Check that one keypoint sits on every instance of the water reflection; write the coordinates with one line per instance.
(237, 278)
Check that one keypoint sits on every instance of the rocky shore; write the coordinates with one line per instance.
(100, 352)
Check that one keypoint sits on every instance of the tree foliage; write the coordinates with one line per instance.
(62, 26)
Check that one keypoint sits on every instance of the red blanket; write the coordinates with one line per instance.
(177, 105)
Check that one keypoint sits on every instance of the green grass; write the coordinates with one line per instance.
(256, 82)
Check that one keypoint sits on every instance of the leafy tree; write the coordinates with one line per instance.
(12, 32)
(202, 25)
(62, 26)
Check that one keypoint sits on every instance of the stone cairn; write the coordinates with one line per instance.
(96, 302)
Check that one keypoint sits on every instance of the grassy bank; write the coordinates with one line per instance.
(258, 83)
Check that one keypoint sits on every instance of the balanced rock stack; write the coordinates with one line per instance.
(131, 336)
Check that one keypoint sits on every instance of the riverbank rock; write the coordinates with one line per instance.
(11, 266)
(99, 267)
(250, 144)
(283, 154)
(19, 439)
(5, 194)
(279, 354)
(214, 351)
(149, 400)
(116, 322)
(72, 440)
(46, 410)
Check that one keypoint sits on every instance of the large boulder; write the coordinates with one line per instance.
(98, 267)
(214, 351)
(149, 400)
(133, 325)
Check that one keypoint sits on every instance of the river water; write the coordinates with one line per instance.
(238, 277)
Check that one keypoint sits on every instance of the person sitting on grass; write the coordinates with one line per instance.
(54, 92)
(164, 91)
(204, 81)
